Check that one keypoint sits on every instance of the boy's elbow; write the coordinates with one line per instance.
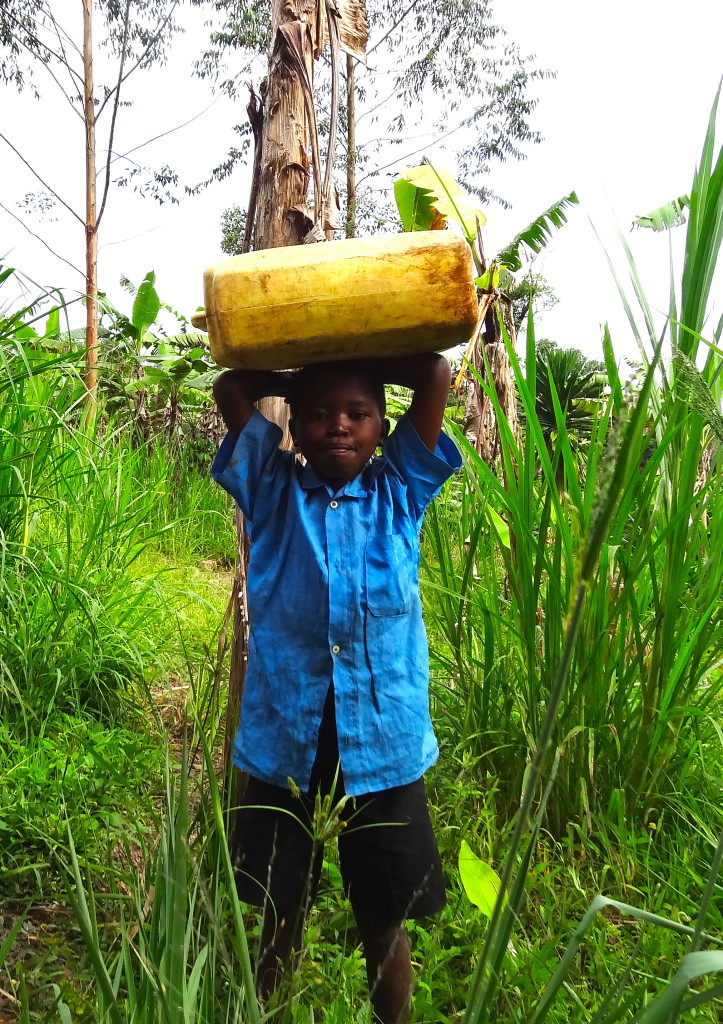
(233, 403)
(438, 371)
(442, 368)
(224, 385)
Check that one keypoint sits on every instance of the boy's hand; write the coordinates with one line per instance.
(429, 376)
(236, 391)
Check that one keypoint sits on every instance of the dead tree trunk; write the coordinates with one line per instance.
(491, 362)
(281, 214)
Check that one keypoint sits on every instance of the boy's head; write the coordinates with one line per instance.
(337, 418)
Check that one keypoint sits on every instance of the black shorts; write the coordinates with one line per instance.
(388, 855)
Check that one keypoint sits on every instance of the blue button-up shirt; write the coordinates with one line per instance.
(333, 596)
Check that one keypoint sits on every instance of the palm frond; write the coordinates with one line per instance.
(537, 234)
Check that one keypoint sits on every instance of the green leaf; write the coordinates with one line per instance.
(414, 205)
(537, 234)
(670, 215)
(435, 191)
(25, 333)
(52, 324)
(490, 279)
(480, 881)
(692, 967)
(10, 937)
(499, 526)
(145, 305)
(197, 338)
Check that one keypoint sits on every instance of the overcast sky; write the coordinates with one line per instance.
(623, 123)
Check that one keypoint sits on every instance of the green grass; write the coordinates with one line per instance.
(72, 769)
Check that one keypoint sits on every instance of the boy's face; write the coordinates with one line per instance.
(338, 427)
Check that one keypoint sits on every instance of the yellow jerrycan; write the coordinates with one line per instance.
(358, 298)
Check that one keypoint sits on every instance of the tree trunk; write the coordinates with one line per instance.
(281, 215)
(350, 149)
(91, 226)
(281, 219)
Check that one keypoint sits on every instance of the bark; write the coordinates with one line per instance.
(91, 225)
(281, 214)
(490, 351)
(492, 363)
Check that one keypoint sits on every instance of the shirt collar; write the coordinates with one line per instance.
(356, 488)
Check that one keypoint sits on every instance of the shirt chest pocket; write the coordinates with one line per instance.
(388, 568)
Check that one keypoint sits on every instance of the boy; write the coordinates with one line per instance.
(336, 691)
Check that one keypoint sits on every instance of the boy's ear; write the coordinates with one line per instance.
(385, 429)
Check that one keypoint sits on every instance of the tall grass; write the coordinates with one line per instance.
(645, 678)
(93, 612)
(81, 613)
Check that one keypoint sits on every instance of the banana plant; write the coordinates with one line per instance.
(178, 377)
(669, 215)
(428, 197)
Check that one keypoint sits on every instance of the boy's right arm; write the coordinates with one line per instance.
(236, 391)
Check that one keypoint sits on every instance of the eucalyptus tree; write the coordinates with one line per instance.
(42, 47)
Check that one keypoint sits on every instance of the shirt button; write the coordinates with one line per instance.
(335, 649)
(333, 504)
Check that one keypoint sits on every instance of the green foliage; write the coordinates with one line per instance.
(233, 227)
(670, 215)
(645, 684)
(70, 767)
(428, 196)
(89, 611)
(481, 883)
(145, 306)
(532, 290)
(537, 234)
(571, 386)
(186, 957)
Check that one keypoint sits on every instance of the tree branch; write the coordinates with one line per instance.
(41, 240)
(41, 180)
(378, 170)
(44, 52)
(116, 104)
(63, 37)
(134, 149)
(396, 24)
(325, 214)
(380, 103)
(140, 60)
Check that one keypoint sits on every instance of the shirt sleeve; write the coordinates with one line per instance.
(244, 468)
(422, 470)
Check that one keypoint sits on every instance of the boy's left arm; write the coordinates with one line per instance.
(429, 376)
